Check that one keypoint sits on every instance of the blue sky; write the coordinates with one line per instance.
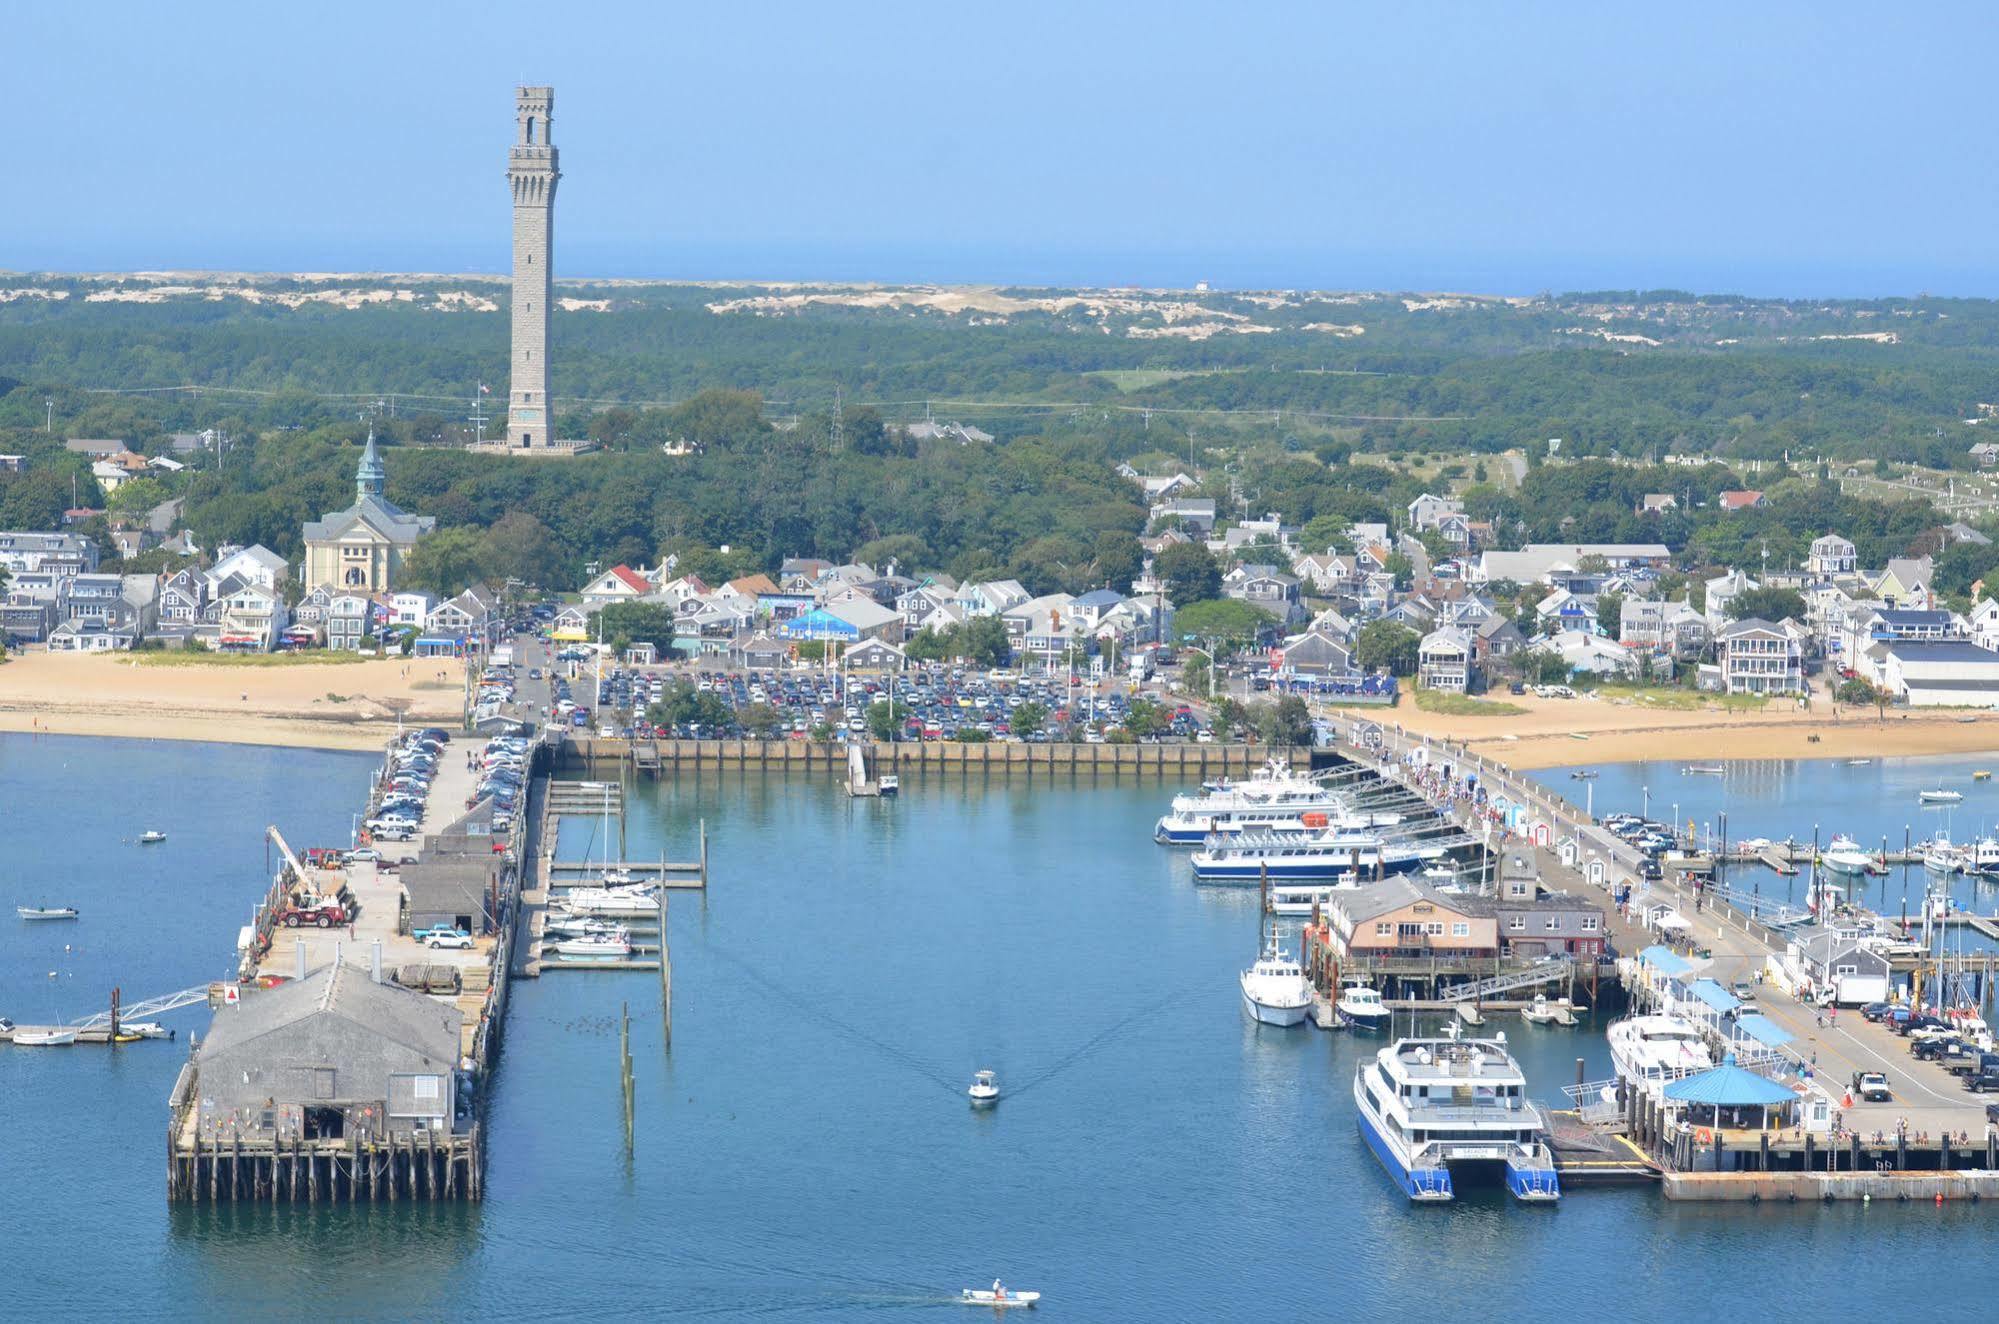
(1769, 148)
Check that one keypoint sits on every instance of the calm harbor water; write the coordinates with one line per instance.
(805, 1151)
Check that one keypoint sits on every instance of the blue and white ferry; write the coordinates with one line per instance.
(1296, 856)
(1438, 1110)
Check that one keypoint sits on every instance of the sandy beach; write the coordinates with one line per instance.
(331, 706)
(1587, 730)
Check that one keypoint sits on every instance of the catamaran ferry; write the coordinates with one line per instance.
(1194, 827)
(1293, 856)
(1436, 1110)
(1272, 795)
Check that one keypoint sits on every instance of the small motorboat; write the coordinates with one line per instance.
(1939, 796)
(1982, 775)
(130, 1031)
(1703, 770)
(985, 1089)
(1361, 1008)
(1470, 1015)
(1584, 774)
(152, 837)
(890, 784)
(44, 1038)
(997, 1297)
(1544, 1012)
(1858, 763)
(46, 912)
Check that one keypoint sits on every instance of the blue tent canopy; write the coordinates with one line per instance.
(1714, 995)
(1730, 1086)
(1763, 1030)
(1663, 960)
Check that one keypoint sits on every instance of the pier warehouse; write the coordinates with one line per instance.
(334, 1082)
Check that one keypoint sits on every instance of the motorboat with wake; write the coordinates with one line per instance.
(1275, 990)
(985, 1091)
(998, 1297)
(1435, 1111)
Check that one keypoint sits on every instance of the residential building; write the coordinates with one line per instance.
(1758, 657)
(1832, 555)
(991, 598)
(251, 619)
(256, 564)
(1534, 562)
(1950, 673)
(1671, 627)
(350, 618)
(1729, 502)
(1444, 661)
(1906, 583)
(620, 583)
(1720, 590)
(1194, 514)
(27, 553)
(1426, 510)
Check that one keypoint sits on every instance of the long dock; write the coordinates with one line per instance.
(1931, 1140)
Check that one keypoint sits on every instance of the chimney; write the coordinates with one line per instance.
(298, 945)
(376, 964)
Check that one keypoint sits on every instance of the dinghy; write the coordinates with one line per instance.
(997, 1297)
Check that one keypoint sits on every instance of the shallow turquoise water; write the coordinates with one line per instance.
(805, 1151)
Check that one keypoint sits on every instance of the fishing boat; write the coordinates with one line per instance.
(1650, 1051)
(1940, 796)
(1546, 1011)
(613, 946)
(1703, 770)
(44, 1038)
(997, 1297)
(984, 1092)
(45, 912)
(1275, 990)
(1940, 856)
(151, 837)
(1361, 1007)
(1435, 1111)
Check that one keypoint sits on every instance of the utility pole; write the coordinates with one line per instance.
(50, 424)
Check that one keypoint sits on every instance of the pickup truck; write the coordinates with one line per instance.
(1873, 1087)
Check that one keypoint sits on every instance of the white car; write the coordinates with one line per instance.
(459, 941)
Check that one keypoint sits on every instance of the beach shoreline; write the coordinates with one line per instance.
(350, 706)
(1552, 733)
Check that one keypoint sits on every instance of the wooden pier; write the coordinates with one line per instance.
(673, 758)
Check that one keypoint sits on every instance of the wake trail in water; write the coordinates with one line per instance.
(1096, 1041)
(805, 1007)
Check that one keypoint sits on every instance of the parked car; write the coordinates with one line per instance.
(455, 938)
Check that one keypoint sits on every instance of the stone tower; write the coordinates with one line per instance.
(532, 172)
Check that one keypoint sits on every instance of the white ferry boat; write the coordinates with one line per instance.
(1275, 990)
(1650, 1052)
(1271, 796)
(1292, 856)
(1436, 1110)
(1192, 829)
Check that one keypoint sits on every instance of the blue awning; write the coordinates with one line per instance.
(1663, 960)
(1714, 995)
(1763, 1030)
(1730, 1086)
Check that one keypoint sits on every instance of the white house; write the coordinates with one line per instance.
(1832, 555)
(257, 564)
(1758, 657)
(1443, 661)
(410, 607)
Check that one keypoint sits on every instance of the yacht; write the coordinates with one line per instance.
(1275, 990)
(1306, 855)
(1651, 1051)
(613, 946)
(1361, 1008)
(630, 899)
(151, 837)
(1436, 1110)
(1843, 855)
(1939, 796)
(559, 925)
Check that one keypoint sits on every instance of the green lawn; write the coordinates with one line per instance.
(1463, 705)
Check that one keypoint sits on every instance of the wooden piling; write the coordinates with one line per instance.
(625, 1067)
(666, 972)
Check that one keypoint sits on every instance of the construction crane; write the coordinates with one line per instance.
(292, 862)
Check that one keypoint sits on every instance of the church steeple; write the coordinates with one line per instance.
(368, 479)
